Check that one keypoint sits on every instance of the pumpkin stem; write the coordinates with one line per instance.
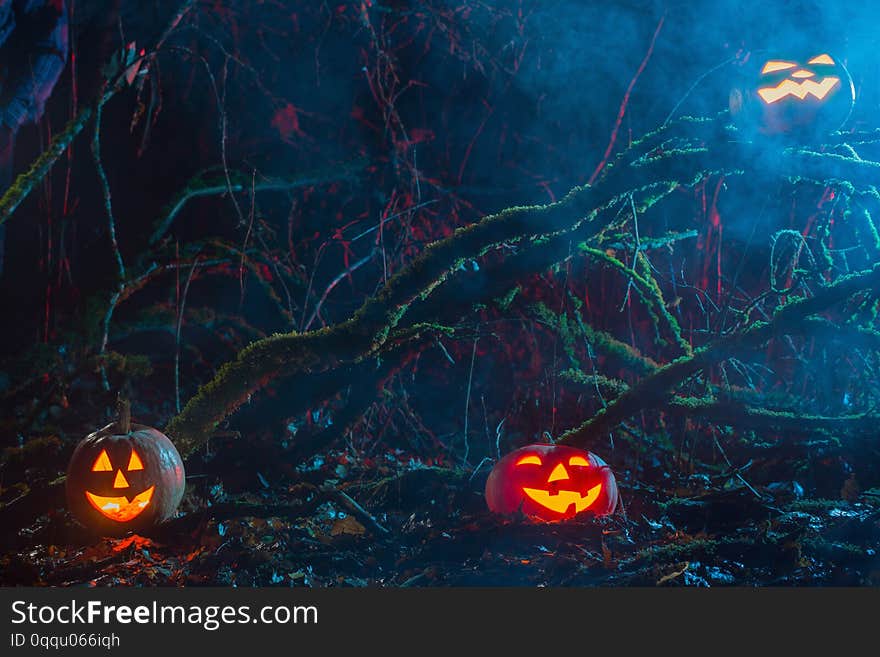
(123, 409)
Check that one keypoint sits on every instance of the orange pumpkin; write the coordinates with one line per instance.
(121, 481)
(551, 483)
(805, 98)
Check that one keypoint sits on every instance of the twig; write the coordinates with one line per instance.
(105, 190)
(223, 141)
(252, 213)
(649, 293)
(194, 190)
(467, 403)
(180, 312)
(735, 471)
(620, 114)
(341, 498)
(128, 288)
(336, 281)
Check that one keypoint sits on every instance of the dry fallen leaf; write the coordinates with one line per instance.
(347, 525)
(671, 576)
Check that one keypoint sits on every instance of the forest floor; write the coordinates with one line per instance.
(425, 524)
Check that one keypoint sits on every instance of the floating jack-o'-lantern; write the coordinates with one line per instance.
(804, 98)
(551, 483)
(124, 477)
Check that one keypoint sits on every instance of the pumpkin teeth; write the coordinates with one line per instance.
(121, 509)
(799, 89)
(563, 499)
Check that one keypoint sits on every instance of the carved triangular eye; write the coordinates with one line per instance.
(102, 463)
(579, 460)
(773, 66)
(822, 59)
(530, 459)
(134, 463)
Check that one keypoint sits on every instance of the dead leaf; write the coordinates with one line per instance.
(671, 576)
(851, 489)
(607, 557)
(138, 542)
(347, 525)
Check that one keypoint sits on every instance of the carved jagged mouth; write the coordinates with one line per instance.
(800, 90)
(121, 508)
(562, 500)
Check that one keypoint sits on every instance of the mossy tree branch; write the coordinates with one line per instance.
(27, 181)
(649, 292)
(734, 413)
(201, 187)
(655, 390)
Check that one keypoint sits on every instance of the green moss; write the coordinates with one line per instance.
(604, 383)
(648, 291)
(652, 199)
(834, 550)
(561, 324)
(865, 228)
(702, 547)
(503, 302)
(817, 505)
(131, 366)
(25, 183)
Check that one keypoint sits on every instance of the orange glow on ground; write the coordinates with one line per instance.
(561, 501)
(800, 90)
(119, 508)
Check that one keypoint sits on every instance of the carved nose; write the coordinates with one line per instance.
(120, 481)
(559, 472)
(803, 73)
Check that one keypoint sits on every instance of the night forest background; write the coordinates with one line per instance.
(273, 166)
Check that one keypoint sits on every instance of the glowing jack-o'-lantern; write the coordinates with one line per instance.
(801, 98)
(551, 483)
(118, 481)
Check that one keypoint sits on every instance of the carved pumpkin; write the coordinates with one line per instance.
(551, 483)
(120, 481)
(804, 98)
